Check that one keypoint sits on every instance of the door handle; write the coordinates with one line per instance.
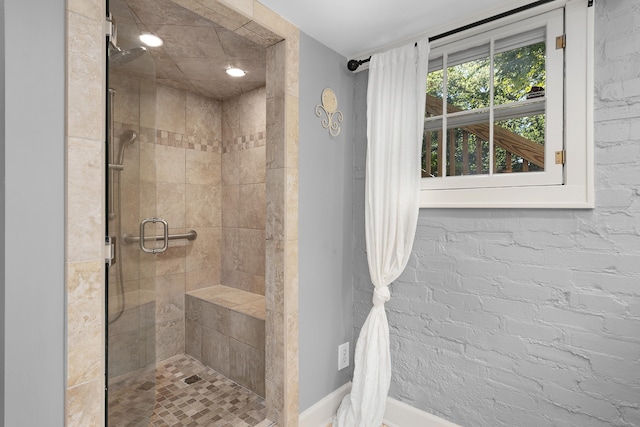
(165, 235)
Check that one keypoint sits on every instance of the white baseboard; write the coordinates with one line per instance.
(397, 414)
(321, 414)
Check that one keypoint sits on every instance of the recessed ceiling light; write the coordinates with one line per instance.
(151, 40)
(236, 72)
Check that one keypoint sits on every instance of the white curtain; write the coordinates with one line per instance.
(396, 98)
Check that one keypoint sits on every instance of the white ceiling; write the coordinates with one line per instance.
(359, 27)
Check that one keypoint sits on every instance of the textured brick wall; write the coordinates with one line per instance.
(528, 317)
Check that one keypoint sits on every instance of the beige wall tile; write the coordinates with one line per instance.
(246, 366)
(270, 20)
(231, 206)
(148, 100)
(274, 274)
(203, 168)
(244, 114)
(170, 164)
(258, 34)
(193, 339)
(171, 109)
(169, 339)
(85, 77)
(243, 7)
(85, 404)
(292, 138)
(275, 149)
(203, 117)
(274, 346)
(203, 207)
(147, 265)
(131, 159)
(170, 297)
(276, 71)
(253, 165)
(85, 207)
(291, 276)
(215, 350)
(215, 317)
(129, 213)
(230, 250)
(148, 161)
(85, 297)
(127, 322)
(205, 252)
(216, 12)
(148, 200)
(126, 99)
(274, 396)
(92, 9)
(204, 278)
(274, 227)
(243, 281)
(127, 353)
(252, 206)
(251, 244)
(172, 261)
(292, 64)
(247, 330)
(170, 205)
(291, 204)
(231, 168)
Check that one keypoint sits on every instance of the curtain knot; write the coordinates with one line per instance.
(381, 295)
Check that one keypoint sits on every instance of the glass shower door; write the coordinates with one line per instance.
(131, 198)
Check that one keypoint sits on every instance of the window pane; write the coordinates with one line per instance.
(430, 143)
(468, 149)
(434, 93)
(519, 144)
(520, 74)
(468, 81)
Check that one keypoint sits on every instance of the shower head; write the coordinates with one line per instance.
(126, 139)
(119, 57)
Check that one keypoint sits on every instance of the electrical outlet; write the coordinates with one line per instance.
(343, 356)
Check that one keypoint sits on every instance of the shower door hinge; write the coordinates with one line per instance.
(110, 30)
(109, 251)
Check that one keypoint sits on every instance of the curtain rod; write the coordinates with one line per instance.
(353, 64)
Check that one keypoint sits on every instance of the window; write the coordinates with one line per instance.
(504, 126)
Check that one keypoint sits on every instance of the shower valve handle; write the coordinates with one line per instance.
(165, 235)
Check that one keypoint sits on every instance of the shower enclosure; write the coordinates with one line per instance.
(131, 196)
(187, 310)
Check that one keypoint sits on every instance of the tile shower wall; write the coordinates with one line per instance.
(188, 192)
(171, 172)
(243, 192)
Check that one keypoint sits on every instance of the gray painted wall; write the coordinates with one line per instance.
(2, 205)
(529, 317)
(34, 144)
(325, 224)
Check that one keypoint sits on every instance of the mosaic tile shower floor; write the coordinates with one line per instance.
(213, 401)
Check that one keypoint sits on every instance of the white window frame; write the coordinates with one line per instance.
(578, 189)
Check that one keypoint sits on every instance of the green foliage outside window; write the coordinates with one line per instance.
(517, 73)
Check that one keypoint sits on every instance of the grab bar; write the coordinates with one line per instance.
(189, 235)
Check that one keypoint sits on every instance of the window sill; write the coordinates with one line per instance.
(543, 197)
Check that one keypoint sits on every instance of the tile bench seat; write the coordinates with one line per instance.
(225, 330)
